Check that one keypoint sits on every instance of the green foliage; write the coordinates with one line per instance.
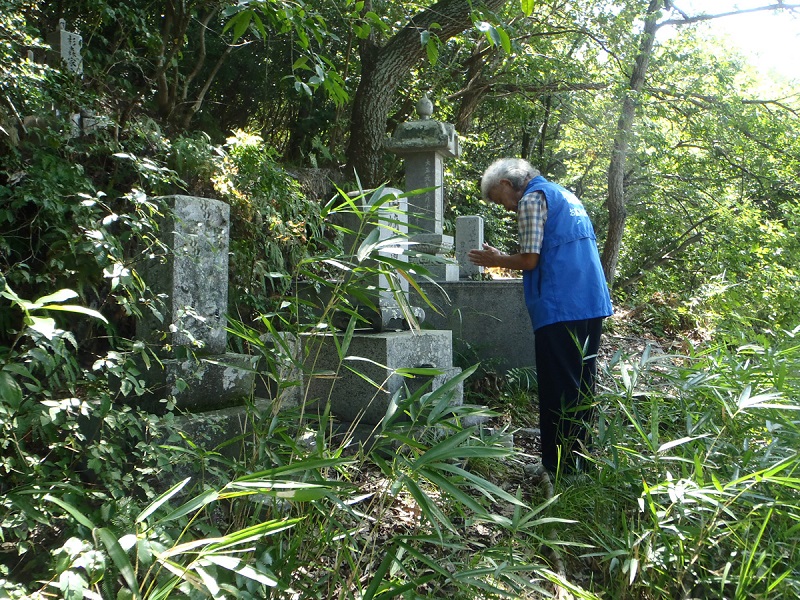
(58, 426)
(697, 500)
(274, 226)
(311, 34)
(710, 197)
(697, 470)
(18, 75)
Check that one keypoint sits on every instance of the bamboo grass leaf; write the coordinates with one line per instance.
(300, 466)
(428, 507)
(337, 264)
(413, 283)
(391, 409)
(447, 449)
(295, 491)
(191, 506)
(364, 376)
(679, 442)
(763, 401)
(73, 308)
(120, 558)
(162, 499)
(427, 560)
(377, 578)
(59, 296)
(209, 581)
(344, 198)
(454, 491)
(405, 440)
(78, 515)
(367, 247)
(489, 489)
(236, 565)
(181, 573)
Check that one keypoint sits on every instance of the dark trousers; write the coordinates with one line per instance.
(566, 365)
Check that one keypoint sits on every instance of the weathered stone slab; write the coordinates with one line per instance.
(469, 236)
(198, 385)
(66, 49)
(192, 279)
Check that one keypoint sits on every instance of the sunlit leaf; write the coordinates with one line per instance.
(161, 500)
(59, 296)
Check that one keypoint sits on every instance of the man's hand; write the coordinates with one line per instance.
(488, 257)
(492, 257)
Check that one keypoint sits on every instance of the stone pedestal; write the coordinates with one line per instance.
(200, 383)
(488, 320)
(365, 381)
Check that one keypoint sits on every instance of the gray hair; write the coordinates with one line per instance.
(517, 170)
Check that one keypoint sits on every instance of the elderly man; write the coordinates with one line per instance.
(566, 295)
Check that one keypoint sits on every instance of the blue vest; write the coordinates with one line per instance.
(568, 283)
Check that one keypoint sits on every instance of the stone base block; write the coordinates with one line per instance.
(439, 270)
(432, 243)
(489, 321)
(360, 387)
(199, 384)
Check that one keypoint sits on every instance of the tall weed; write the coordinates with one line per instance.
(700, 456)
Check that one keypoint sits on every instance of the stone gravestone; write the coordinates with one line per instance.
(424, 144)
(469, 236)
(66, 49)
(192, 282)
(65, 52)
(392, 223)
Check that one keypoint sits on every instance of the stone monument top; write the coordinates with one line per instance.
(424, 134)
(424, 107)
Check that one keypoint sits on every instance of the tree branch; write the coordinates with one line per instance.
(687, 20)
(198, 101)
(201, 54)
(656, 261)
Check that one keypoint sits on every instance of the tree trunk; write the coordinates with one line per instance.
(175, 22)
(382, 70)
(616, 169)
